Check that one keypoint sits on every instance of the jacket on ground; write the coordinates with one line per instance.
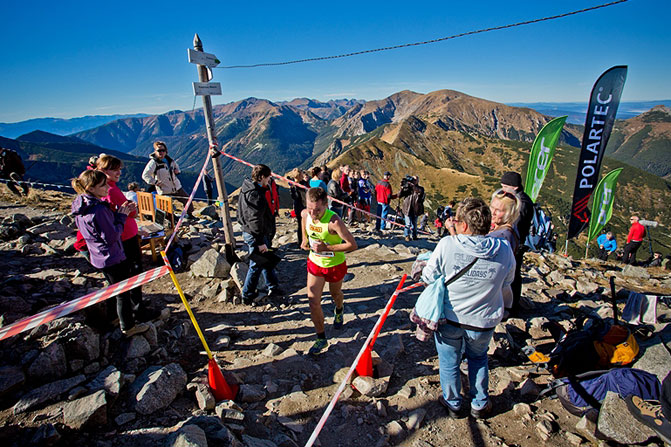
(101, 228)
(475, 299)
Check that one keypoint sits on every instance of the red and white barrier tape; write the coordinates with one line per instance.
(373, 332)
(291, 182)
(92, 298)
(188, 202)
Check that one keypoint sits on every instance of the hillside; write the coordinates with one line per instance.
(644, 141)
(59, 126)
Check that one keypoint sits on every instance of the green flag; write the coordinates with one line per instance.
(541, 155)
(602, 206)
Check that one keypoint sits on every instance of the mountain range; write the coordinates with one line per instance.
(458, 144)
(58, 126)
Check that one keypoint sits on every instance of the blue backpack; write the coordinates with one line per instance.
(541, 234)
(580, 393)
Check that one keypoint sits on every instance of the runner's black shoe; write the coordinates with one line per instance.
(320, 345)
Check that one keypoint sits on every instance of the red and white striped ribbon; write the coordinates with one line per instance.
(80, 303)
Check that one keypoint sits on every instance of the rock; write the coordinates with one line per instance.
(587, 428)
(215, 430)
(239, 273)
(339, 375)
(655, 360)
(124, 418)
(226, 295)
(616, 422)
(187, 436)
(544, 429)
(573, 438)
(46, 393)
(138, 347)
(222, 342)
(405, 392)
(529, 388)
(210, 211)
(50, 363)
(11, 379)
(151, 334)
(586, 287)
(290, 424)
(631, 271)
(229, 410)
(157, 387)
(272, 350)
(394, 428)
(369, 386)
(211, 264)
(415, 419)
(521, 409)
(256, 442)
(381, 409)
(45, 436)
(210, 290)
(204, 397)
(110, 380)
(251, 393)
(87, 411)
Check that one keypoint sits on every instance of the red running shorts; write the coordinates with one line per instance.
(331, 274)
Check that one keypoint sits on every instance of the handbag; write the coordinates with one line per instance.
(432, 298)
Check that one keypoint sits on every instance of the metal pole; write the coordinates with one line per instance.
(224, 211)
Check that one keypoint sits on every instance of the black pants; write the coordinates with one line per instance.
(603, 254)
(630, 250)
(129, 305)
(666, 396)
(516, 285)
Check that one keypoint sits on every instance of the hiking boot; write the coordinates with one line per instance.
(338, 318)
(250, 300)
(276, 292)
(407, 238)
(319, 345)
(649, 412)
(137, 329)
(451, 412)
(482, 413)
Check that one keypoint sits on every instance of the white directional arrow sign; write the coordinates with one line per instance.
(206, 88)
(201, 58)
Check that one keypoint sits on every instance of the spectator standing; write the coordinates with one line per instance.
(607, 245)
(298, 199)
(161, 171)
(412, 207)
(102, 228)
(512, 182)
(472, 305)
(131, 194)
(258, 224)
(335, 191)
(12, 169)
(365, 193)
(634, 240)
(384, 196)
(315, 178)
(273, 198)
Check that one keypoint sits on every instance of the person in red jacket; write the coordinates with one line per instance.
(634, 240)
(384, 195)
(273, 199)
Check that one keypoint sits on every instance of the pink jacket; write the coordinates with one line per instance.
(116, 198)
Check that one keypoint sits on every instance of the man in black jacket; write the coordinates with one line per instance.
(512, 182)
(258, 225)
(413, 205)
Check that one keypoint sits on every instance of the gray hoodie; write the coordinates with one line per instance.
(475, 299)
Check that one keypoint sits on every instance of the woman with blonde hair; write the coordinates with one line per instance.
(505, 208)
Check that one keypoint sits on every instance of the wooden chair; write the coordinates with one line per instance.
(147, 215)
(164, 203)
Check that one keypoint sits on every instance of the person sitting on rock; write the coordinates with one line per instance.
(102, 228)
(607, 245)
(327, 238)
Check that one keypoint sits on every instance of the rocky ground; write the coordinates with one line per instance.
(78, 380)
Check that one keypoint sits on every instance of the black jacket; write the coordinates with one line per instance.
(413, 200)
(523, 223)
(254, 213)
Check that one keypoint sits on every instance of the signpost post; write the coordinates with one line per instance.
(205, 88)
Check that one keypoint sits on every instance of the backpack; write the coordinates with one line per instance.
(176, 257)
(541, 233)
(579, 394)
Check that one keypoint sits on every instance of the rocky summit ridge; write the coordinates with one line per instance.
(78, 380)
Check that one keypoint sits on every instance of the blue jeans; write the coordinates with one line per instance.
(382, 211)
(255, 271)
(450, 342)
(410, 226)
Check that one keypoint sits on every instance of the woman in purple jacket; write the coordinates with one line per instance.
(101, 228)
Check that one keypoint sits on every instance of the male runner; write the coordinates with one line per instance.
(327, 238)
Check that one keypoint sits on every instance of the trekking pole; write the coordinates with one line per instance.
(613, 299)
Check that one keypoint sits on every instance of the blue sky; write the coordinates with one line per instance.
(67, 59)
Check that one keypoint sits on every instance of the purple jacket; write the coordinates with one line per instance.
(101, 228)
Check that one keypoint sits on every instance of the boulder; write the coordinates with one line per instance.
(81, 342)
(369, 386)
(187, 436)
(251, 393)
(11, 379)
(46, 435)
(46, 393)
(616, 422)
(256, 442)
(210, 211)
(87, 411)
(204, 397)
(110, 380)
(215, 430)
(655, 360)
(50, 363)
(211, 264)
(157, 387)
(239, 273)
(631, 271)
(138, 347)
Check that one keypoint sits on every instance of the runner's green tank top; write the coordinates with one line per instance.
(319, 231)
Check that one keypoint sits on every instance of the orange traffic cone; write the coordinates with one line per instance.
(220, 389)
(365, 365)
